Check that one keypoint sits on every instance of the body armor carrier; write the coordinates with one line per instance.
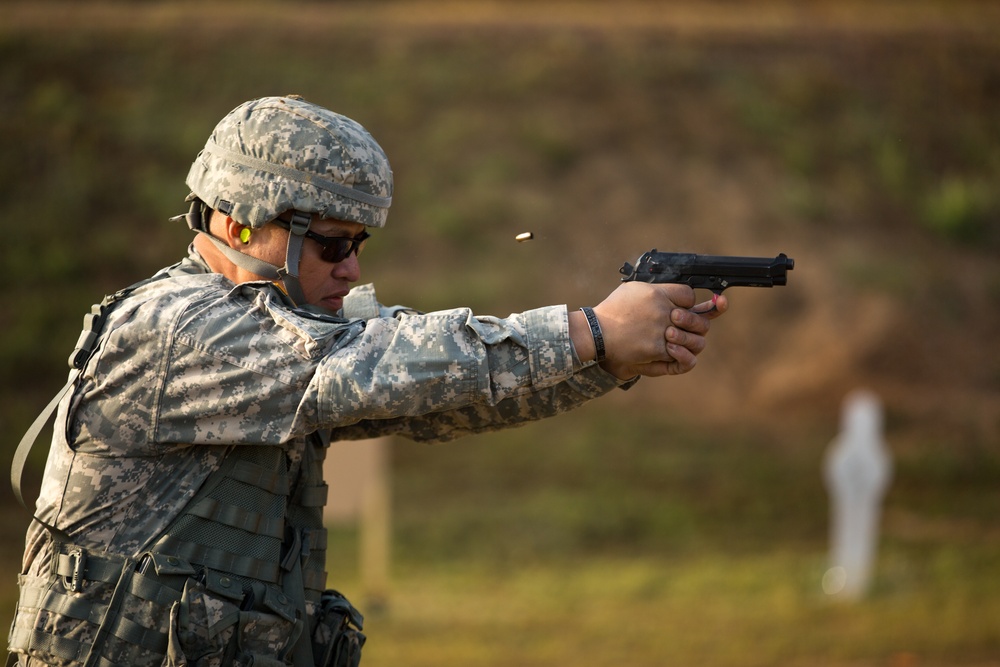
(237, 579)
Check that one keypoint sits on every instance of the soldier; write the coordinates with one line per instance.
(179, 520)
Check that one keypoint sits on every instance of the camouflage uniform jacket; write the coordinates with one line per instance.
(190, 368)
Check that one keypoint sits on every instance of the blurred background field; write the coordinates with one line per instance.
(683, 522)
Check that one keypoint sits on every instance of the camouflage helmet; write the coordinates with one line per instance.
(277, 154)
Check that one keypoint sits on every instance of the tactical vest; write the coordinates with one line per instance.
(236, 579)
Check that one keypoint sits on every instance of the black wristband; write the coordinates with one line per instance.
(595, 331)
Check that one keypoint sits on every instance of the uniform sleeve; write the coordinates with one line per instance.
(583, 386)
(426, 364)
(534, 401)
(247, 369)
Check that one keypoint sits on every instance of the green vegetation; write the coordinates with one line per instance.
(572, 542)
(683, 522)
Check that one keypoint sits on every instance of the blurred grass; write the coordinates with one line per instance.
(713, 610)
(681, 523)
(569, 542)
(565, 543)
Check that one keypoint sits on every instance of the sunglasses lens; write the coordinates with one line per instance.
(340, 249)
(337, 251)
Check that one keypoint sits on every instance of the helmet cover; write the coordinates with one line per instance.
(276, 154)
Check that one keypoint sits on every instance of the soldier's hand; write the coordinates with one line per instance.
(649, 329)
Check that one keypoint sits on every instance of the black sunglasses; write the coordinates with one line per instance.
(335, 248)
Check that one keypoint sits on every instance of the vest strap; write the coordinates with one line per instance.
(93, 322)
(61, 647)
(217, 559)
(75, 565)
(132, 633)
(314, 496)
(154, 590)
(271, 481)
(238, 517)
(81, 609)
(31, 435)
(127, 570)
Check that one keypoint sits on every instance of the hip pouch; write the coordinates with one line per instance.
(93, 609)
(338, 639)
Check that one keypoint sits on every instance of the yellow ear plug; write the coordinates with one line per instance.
(245, 235)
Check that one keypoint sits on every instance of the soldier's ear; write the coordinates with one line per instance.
(236, 234)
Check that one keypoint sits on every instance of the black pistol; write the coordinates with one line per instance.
(712, 272)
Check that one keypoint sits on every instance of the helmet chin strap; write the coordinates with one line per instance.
(287, 274)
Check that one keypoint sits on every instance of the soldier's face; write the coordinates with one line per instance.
(325, 284)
